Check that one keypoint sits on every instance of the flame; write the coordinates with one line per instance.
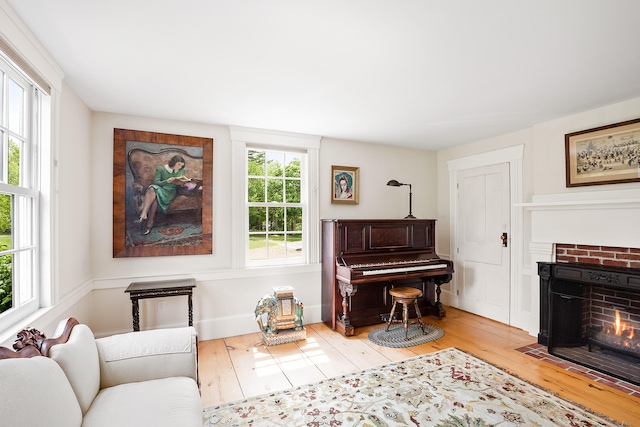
(618, 324)
(621, 327)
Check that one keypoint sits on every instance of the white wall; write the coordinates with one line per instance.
(74, 192)
(548, 139)
(378, 164)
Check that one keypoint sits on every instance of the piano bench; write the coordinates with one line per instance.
(405, 296)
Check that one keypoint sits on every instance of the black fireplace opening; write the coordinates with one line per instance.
(596, 323)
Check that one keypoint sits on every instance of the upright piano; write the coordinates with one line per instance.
(363, 258)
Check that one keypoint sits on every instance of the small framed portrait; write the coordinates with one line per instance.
(604, 155)
(345, 184)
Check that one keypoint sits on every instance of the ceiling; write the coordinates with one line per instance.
(416, 73)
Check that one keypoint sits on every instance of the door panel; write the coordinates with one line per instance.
(483, 205)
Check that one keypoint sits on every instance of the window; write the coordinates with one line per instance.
(275, 207)
(19, 256)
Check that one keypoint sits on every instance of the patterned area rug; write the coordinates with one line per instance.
(395, 337)
(448, 388)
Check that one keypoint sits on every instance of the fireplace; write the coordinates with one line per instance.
(590, 314)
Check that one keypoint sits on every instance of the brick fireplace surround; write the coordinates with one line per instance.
(602, 255)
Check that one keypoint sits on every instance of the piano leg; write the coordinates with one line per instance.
(438, 305)
(346, 290)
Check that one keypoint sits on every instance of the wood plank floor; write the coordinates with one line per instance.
(242, 366)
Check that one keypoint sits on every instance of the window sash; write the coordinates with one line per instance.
(24, 193)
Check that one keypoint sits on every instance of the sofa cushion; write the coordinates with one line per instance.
(35, 392)
(78, 358)
(147, 355)
(166, 402)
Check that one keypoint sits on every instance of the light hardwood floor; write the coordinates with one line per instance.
(242, 366)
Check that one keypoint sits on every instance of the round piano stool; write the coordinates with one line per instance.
(405, 296)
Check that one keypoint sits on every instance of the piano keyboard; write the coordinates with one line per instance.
(403, 269)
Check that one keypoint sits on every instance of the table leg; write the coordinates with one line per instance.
(136, 314)
(190, 302)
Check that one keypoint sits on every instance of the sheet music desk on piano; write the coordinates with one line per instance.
(363, 259)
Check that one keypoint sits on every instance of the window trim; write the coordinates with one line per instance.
(244, 138)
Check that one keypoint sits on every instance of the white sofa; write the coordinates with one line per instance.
(147, 378)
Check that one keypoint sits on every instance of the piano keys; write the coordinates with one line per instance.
(363, 259)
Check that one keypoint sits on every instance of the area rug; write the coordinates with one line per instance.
(395, 337)
(448, 388)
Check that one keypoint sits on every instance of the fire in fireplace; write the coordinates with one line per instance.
(619, 336)
(590, 314)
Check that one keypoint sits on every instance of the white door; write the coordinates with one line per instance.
(482, 258)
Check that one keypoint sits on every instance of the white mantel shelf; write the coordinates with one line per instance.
(615, 199)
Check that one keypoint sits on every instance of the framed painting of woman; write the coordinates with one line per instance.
(345, 185)
(162, 194)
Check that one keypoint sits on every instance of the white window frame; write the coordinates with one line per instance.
(245, 138)
(36, 106)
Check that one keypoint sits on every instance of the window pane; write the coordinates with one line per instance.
(14, 162)
(276, 246)
(6, 283)
(258, 246)
(1, 96)
(294, 245)
(16, 108)
(292, 165)
(292, 190)
(275, 190)
(276, 219)
(294, 219)
(257, 219)
(25, 277)
(25, 221)
(3, 155)
(275, 163)
(255, 163)
(256, 190)
(6, 222)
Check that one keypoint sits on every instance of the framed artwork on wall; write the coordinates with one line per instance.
(603, 155)
(345, 181)
(162, 194)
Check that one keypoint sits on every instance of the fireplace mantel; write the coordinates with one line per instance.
(585, 200)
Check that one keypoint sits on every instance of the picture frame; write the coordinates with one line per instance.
(345, 185)
(179, 216)
(603, 155)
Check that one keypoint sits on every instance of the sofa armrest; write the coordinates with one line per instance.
(148, 355)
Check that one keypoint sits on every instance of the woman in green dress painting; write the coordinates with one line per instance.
(163, 190)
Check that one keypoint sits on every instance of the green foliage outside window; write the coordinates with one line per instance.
(282, 185)
(274, 184)
(6, 265)
(6, 281)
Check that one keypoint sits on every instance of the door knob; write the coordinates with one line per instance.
(504, 238)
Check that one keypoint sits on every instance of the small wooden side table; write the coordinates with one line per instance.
(158, 289)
